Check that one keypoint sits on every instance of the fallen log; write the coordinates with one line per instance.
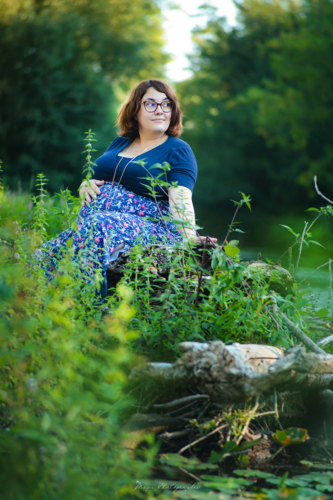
(158, 259)
(238, 395)
(235, 372)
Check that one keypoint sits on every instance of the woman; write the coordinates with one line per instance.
(122, 205)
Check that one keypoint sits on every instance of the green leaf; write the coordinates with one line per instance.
(321, 313)
(316, 243)
(218, 482)
(254, 473)
(231, 251)
(293, 435)
(315, 465)
(301, 303)
(217, 455)
(290, 230)
(284, 481)
(249, 444)
(317, 477)
(233, 243)
(230, 448)
(176, 460)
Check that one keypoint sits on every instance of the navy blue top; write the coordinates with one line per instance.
(173, 151)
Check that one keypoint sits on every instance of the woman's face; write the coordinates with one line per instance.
(157, 122)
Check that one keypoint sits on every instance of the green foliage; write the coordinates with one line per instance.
(258, 109)
(63, 381)
(64, 364)
(228, 301)
(229, 448)
(64, 370)
(64, 67)
(88, 168)
(40, 212)
(291, 436)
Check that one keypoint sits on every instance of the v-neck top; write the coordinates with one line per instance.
(176, 152)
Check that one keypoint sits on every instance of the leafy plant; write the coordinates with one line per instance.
(290, 436)
(64, 361)
(40, 212)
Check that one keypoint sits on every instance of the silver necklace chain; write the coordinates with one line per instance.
(122, 174)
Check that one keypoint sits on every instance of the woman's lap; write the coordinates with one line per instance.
(116, 221)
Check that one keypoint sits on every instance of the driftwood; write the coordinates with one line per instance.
(230, 373)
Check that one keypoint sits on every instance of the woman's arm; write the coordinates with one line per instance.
(181, 207)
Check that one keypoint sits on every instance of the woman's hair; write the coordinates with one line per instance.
(127, 121)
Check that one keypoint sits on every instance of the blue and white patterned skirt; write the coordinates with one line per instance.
(116, 217)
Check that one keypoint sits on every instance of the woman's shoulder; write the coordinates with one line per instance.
(175, 143)
(118, 142)
(180, 152)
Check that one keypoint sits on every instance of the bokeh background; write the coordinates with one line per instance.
(255, 89)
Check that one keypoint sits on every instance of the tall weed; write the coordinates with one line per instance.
(64, 363)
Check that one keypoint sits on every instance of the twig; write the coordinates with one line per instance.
(276, 410)
(200, 276)
(272, 412)
(300, 247)
(323, 265)
(230, 227)
(320, 329)
(202, 438)
(298, 239)
(275, 454)
(325, 431)
(326, 340)
(284, 253)
(301, 336)
(318, 192)
(331, 289)
(275, 310)
(182, 408)
(322, 444)
(190, 474)
(173, 435)
(247, 423)
(181, 401)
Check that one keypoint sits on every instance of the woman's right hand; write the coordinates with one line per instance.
(89, 189)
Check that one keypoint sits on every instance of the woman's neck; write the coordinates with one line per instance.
(148, 141)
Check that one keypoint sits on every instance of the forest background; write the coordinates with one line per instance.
(258, 115)
(257, 110)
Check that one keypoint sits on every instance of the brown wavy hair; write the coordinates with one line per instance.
(126, 120)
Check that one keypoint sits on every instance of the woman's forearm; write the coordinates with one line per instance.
(181, 207)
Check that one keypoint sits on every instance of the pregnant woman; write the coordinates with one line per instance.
(120, 205)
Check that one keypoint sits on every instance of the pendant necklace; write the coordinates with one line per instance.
(131, 159)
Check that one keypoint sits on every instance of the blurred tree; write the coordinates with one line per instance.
(245, 111)
(294, 109)
(62, 65)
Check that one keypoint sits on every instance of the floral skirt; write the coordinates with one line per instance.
(116, 218)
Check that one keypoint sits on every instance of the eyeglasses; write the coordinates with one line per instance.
(151, 106)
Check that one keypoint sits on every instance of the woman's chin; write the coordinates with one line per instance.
(159, 128)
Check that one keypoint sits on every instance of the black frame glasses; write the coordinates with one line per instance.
(153, 108)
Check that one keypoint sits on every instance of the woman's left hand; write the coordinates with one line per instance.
(204, 240)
